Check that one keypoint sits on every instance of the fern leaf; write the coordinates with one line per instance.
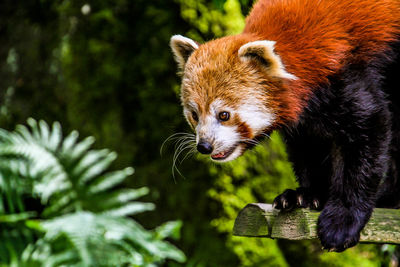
(130, 209)
(44, 132)
(93, 164)
(88, 233)
(88, 223)
(169, 229)
(12, 218)
(110, 180)
(122, 196)
(55, 136)
(70, 141)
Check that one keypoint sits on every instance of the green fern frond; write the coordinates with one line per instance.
(84, 219)
(107, 235)
(66, 172)
(17, 217)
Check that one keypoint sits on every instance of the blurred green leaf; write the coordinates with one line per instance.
(169, 229)
(84, 220)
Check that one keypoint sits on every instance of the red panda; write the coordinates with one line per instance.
(316, 71)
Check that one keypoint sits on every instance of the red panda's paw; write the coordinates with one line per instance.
(299, 198)
(338, 228)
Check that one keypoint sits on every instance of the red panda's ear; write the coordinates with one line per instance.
(263, 51)
(182, 47)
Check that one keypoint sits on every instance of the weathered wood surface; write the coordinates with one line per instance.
(261, 220)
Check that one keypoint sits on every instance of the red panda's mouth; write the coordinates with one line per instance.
(224, 154)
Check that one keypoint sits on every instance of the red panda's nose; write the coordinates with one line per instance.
(204, 147)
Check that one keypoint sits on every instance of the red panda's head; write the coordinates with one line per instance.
(232, 92)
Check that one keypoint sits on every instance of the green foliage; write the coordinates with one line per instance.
(84, 218)
(209, 22)
(258, 176)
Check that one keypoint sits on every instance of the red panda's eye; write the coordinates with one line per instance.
(223, 116)
(195, 117)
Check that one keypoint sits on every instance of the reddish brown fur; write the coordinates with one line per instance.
(242, 128)
(314, 38)
(219, 78)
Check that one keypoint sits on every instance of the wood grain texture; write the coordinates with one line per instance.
(261, 220)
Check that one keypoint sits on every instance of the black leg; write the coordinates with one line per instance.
(340, 153)
(311, 160)
(360, 158)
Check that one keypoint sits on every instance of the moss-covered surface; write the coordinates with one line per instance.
(262, 220)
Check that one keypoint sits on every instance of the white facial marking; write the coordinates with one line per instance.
(205, 128)
(256, 117)
(226, 139)
(211, 129)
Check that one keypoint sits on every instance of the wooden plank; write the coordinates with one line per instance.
(261, 220)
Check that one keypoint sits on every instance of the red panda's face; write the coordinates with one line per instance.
(226, 116)
(224, 130)
(226, 97)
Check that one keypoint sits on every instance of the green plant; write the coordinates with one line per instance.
(257, 176)
(60, 206)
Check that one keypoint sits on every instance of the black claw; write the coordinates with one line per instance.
(299, 198)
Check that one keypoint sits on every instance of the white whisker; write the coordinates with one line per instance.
(175, 158)
(183, 142)
(250, 141)
(266, 135)
(189, 153)
(182, 139)
(173, 137)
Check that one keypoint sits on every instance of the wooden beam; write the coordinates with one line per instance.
(261, 220)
